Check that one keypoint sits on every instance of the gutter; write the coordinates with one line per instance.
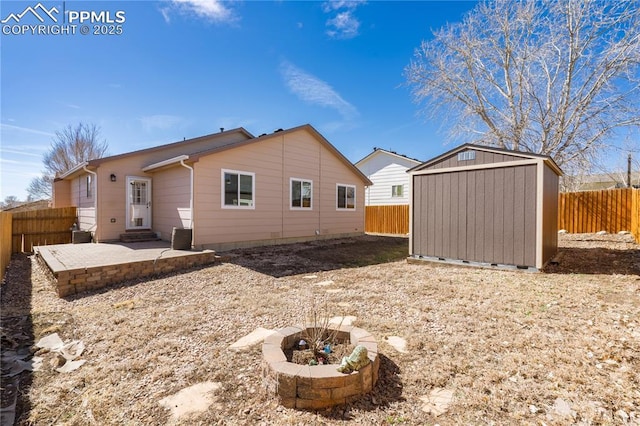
(190, 197)
(95, 197)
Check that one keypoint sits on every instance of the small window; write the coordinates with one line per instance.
(466, 156)
(397, 190)
(238, 189)
(138, 192)
(89, 186)
(301, 194)
(346, 197)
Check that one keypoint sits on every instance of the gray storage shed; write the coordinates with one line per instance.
(485, 206)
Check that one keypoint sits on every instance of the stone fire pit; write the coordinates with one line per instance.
(317, 386)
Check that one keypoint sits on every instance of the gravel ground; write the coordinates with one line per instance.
(559, 347)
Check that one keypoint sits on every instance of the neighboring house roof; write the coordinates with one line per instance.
(602, 181)
(379, 151)
(222, 145)
(527, 155)
(33, 205)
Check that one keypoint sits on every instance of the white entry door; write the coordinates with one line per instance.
(138, 203)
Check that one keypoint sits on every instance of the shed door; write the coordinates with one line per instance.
(138, 203)
(486, 215)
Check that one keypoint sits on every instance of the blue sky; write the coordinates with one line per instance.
(183, 69)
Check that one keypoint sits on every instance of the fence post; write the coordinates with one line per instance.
(635, 214)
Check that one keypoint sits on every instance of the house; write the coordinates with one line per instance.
(485, 206)
(388, 172)
(231, 189)
(599, 182)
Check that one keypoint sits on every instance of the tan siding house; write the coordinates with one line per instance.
(231, 189)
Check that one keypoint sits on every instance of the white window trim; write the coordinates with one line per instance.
(355, 197)
(89, 184)
(253, 189)
(291, 180)
(467, 155)
(402, 190)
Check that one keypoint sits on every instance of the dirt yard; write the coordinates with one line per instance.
(510, 347)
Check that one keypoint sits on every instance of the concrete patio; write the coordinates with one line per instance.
(77, 268)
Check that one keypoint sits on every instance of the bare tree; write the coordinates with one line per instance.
(554, 77)
(70, 147)
(40, 188)
(9, 202)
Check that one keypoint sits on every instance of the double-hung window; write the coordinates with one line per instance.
(89, 183)
(238, 189)
(301, 194)
(346, 197)
(397, 190)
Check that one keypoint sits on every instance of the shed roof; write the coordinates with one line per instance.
(525, 155)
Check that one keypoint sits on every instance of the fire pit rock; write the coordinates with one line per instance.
(317, 387)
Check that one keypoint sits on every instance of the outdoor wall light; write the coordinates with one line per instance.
(113, 177)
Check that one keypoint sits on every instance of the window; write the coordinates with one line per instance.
(238, 189)
(138, 192)
(301, 193)
(397, 190)
(346, 197)
(89, 186)
(466, 156)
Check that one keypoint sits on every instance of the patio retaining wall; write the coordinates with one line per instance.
(79, 280)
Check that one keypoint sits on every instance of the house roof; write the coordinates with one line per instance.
(220, 138)
(526, 155)
(185, 144)
(222, 145)
(379, 151)
(282, 132)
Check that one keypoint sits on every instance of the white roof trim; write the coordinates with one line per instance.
(168, 162)
(73, 170)
(380, 151)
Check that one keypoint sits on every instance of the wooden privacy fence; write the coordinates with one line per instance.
(392, 219)
(611, 210)
(41, 227)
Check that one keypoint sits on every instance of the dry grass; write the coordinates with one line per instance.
(510, 344)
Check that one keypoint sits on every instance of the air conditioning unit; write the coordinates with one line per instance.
(78, 237)
(181, 239)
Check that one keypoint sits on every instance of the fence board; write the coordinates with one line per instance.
(5, 241)
(611, 210)
(635, 214)
(41, 227)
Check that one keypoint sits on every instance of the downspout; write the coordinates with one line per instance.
(190, 198)
(95, 199)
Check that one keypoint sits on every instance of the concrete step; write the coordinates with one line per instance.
(138, 236)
